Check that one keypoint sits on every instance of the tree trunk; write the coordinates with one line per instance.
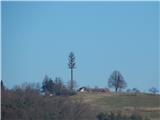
(71, 79)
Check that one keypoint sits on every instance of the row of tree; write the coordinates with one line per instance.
(57, 87)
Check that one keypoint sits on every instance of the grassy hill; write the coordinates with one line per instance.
(29, 103)
(144, 104)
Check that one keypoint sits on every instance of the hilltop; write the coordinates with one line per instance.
(147, 105)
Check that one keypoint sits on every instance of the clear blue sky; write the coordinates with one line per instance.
(105, 36)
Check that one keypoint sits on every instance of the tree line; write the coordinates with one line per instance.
(57, 87)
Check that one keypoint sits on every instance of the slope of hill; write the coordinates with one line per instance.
(147, 105)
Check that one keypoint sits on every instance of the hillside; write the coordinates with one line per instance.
(144, 104)
(28, 103)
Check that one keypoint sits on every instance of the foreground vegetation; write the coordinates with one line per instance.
(29, 103)
(119, 116)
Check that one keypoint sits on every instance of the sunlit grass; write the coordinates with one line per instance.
(142, 103)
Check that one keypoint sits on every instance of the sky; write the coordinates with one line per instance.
(37, 38)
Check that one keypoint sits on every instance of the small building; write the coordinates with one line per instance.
(82, 89)
(86, 89)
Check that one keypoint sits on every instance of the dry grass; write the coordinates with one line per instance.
(145, 104)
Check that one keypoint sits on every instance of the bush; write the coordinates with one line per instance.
(56, 87)
(27, 103)
(118, 116)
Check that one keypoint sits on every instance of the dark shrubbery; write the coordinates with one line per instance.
(56, 87)
(119, 116)
(27, 103)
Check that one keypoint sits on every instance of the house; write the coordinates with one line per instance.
(86, 89)
(82, 89)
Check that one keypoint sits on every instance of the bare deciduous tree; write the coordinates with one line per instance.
(117, 81)
(71, 65)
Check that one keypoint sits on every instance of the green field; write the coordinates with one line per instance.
(147, 105)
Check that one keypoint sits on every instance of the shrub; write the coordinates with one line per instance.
(118, 116)
(56, 87)
(26, 103)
